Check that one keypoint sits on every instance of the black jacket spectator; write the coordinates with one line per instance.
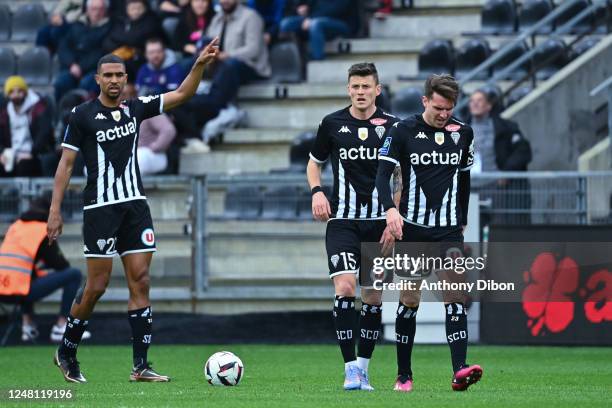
(512, 150)
(133, 34)
(83, 45)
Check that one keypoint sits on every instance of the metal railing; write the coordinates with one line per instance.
(530, 33)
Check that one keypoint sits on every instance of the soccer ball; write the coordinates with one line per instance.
(223, 368)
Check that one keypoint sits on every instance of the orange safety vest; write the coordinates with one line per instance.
(17, 255)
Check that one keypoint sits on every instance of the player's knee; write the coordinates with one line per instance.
(371, 296)
(95, 289)
(344, 287)
(141, 281)
(410, 298)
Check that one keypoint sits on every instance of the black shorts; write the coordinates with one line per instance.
(343, 240)
(122, 228)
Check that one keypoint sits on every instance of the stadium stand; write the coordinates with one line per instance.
(583, 26)
(551, 56)
(5, 22)
(26, 21)
(8, 63)
(35, 66)
(533, 11)
(286, 63)
(436, 57)
(517, 51)
(471, 54)
(499, 17)
(407, 101)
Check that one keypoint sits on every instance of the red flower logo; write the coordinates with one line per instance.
(547, 299)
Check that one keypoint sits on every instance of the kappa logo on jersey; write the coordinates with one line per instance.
(116, 115)
(147, 99)
(455, 136)
(439, 138)
(334, 260)
(380, 131)
(117, 132)
(395, 124)
(100, 116)
(344, 129)
(384, 150)
(101, 243)
(361, 153)
(362, 133)
(421, 135)
(148, 237)
(85, 249)
(378, 121)
(452, 127)
(435, 158)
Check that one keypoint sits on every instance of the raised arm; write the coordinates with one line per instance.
(190, 84)
(62, 178)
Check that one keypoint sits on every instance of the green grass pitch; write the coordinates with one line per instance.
(311, 376)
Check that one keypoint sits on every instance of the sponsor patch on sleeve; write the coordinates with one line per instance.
(384, 150)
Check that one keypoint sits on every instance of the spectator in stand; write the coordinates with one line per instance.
(128, 35)
(65, 13)
(168, 8)
(193, 22)
(321, 20)
(243, 57)
(272, 12)
(81, 48)
(386, 7)
(26, 130)
(163, 74)
(500, 147)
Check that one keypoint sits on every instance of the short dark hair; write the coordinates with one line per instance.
(363, 69)
(444, 85)
(154, 40)
(109, 59)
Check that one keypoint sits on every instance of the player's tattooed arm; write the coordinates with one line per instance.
(190, 84)
(397, 185)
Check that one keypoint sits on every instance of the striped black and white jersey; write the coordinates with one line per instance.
(108, 139)
(352, 146)
(431, 160)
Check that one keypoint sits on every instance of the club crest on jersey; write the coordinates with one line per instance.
(116, 115)
(455, 136)
(362, 133)
(380, 131)
(452, 127)
(378, 121)
(439, 138)
(126, 109)
(334, 260)
(148, 237)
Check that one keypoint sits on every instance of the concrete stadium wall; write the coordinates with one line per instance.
(558, 117)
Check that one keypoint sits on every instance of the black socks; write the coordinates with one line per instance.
(141, 321)
(457, 333)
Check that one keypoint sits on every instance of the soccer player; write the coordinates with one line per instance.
(351, 137)
(116, 217)
(435, 152)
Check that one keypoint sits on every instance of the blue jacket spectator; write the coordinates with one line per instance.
(322, 20)
(161, 73)
(80, 50)
(272, 12)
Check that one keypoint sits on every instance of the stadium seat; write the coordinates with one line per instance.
(436, 57)
(471, 54)
(498, 17)
(26, 22)
(8, 63)
(299, 152)
(550, 57)
(34, 65)
(5, 22)
(516, 52)
(517, 95)
(602, 18)
(583, 46)
(532, 12)
(286, 63)
(583, 26)
(280, 203)
(243, 202)
(407, 102)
